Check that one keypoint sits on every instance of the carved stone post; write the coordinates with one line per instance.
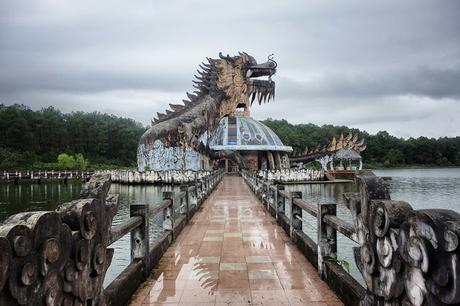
(197, 194)
(168, 212)
(187, 201)
(193, 198)
(202, 190)
(327, 236)
(204, 186)
(280, 203)
(268, 196)
(140, 236)
(295, 224)
(275, 200)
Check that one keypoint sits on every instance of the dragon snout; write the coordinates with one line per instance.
(259, 70)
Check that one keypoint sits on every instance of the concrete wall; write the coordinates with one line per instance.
(160, 158)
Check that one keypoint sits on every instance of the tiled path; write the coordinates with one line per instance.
(233, 253)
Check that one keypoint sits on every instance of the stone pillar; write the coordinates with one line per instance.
(277, 160)
(271, 161)
(263, 162)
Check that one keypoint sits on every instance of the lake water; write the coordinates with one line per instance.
(422, 188)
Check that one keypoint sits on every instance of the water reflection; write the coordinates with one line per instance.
(16, 198)
(329, 193)
(425, 188)
(133, 194)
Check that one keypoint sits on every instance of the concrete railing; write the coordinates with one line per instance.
(61, 257)
(291, 175)
(406, 256)
(155, 177)
(17, 176)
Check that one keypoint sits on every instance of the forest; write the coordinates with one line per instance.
(35, 139)
(383, 150)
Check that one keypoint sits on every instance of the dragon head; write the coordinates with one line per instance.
(238, 79)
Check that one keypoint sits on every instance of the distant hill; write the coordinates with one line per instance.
(383, 150)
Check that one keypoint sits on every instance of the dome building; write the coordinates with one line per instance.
(259, 146)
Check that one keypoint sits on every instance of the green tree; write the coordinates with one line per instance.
(34, 138)
(81, 162)
(66, 161)
(394, 157)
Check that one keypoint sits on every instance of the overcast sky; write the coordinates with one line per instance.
(373, 65)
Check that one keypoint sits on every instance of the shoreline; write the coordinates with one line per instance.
(411, 167)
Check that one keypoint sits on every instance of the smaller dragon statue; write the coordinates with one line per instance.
(349, 142)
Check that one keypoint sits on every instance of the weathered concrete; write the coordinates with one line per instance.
(233, 253)
(155, 177)
(37, 176)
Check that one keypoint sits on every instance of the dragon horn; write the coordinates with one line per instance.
(224, 57)
(355, 138)
(350, 136)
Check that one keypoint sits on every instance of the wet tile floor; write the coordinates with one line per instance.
(233, 253)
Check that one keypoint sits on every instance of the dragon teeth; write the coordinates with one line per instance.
(253, 97)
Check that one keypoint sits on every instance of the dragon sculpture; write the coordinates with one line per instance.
(349, 142)
(222, 85)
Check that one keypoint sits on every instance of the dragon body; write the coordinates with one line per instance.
(177, 139)
(350, 142)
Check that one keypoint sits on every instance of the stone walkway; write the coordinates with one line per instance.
(233, 253)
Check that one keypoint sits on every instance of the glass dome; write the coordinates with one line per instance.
(245, 133)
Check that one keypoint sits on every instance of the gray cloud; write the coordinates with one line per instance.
(423, 81)
(376, 65)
